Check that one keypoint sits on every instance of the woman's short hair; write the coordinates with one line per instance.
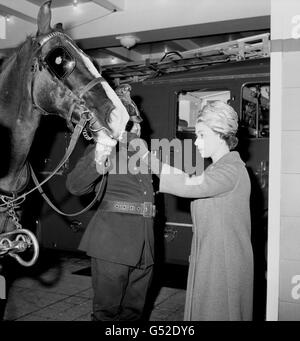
(222, 119)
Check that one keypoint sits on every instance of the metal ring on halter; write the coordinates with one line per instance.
(88, 114)
(86, 135)
(95, 130)
(11, 201)
(106, 131)
(20, 244)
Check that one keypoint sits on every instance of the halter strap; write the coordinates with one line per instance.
(89, 86)
(79, 94)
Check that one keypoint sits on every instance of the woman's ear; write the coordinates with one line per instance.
(222, 140)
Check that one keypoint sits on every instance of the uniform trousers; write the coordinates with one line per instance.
(119, 290)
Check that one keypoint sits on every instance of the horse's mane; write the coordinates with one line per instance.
(15, 75)
(7, 60)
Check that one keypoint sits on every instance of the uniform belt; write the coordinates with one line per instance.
(146, 209)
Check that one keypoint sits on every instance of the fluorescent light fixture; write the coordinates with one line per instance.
(2, 27)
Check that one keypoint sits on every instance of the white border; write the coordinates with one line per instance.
(274, 187)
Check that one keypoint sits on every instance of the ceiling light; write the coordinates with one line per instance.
(7, 18)
(75, 3)
(128, 41)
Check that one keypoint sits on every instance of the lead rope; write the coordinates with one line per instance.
(100, 190)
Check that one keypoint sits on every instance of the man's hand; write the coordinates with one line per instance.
(104, 146)
(104, 139)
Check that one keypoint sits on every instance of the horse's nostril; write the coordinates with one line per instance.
(113, 116)
(108, 119)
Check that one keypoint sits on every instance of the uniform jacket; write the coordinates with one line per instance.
(220, 279)
(116, 237)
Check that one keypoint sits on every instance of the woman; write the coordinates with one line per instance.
(220, 279)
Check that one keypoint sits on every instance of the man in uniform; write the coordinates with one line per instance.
(119, 238)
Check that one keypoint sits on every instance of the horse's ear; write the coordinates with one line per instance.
(59, 27)
(44, 18)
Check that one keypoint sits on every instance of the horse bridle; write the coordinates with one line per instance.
(25, 238)
(85, 115)
(77, 95)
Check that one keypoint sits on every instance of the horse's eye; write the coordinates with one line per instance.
(60, 62)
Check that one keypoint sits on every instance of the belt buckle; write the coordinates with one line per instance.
(147, 212)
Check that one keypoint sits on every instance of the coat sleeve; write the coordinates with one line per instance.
(86, 173)
(215, 181)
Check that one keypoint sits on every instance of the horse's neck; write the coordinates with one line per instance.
(21, 137)
(18, 123)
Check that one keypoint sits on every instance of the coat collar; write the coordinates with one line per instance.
(230, 157)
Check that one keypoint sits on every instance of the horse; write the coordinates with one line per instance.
(47, 74)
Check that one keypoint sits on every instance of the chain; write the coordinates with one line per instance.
(5, 246)
(11, 201)
(21, 241)
(19, 244)
(11, 205)
(12, 213)
(18, 240)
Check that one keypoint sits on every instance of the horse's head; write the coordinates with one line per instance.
(66, 81)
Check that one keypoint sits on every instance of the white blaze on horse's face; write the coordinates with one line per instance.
(119, 116)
